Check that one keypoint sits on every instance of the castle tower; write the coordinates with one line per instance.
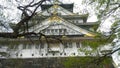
(60, 33)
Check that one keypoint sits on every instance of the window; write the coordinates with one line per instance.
(37, 46)
(17, 54)
(42, 45)
(60, 30)
(70, 44)
(76, 21)
(73, 21)
(55, 30)
(48, 30)
(78, 44)
(64, 31)
(52, 31)
(24, 46)
(29, 46)
(15, 47)
(65, 45)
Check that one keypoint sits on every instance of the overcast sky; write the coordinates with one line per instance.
(14, 13)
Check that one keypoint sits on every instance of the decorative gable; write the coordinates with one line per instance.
(58, 26)
(59, 29)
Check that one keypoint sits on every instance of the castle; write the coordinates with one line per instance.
(62, 34)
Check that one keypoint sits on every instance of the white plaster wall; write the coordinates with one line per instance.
(27, 53)
(33, 52)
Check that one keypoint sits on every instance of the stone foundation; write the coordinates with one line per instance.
(49, 63)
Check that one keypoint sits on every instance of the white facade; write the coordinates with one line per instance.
(53, 51)
(58, 27)
(67, 49)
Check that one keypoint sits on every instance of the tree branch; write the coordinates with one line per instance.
(27, 17)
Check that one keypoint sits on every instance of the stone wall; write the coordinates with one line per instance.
(46, 63)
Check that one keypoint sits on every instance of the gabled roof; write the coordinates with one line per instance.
(56, 19)
(58, 9)
(69, 7)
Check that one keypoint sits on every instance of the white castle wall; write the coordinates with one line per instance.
(34, 53)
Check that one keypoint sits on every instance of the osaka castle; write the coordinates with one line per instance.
(62, 34)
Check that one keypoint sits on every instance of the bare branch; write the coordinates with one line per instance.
(27, 17)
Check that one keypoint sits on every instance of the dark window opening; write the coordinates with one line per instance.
(65, 45)
(70, 44)
(48, 30)
(37, 46)
(60, 30)
(56, 30)
(29, 46)
(42, 45)
(78, 44)
(24, 46)
(76, 21)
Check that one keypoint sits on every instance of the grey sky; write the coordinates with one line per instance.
(14, 13)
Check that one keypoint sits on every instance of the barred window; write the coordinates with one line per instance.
(24, 46)
(70, 44)
(65, 45)
(78, 44)
(29, 46)
(42, 45)
(60, 30)
(37, 46)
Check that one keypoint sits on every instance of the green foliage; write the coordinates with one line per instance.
(85, 62)
(95, 27)
(3, 53)
(107, 60)
(72, 62)
(105, 8)
(94, 43)
(85, 15)
(115, 24)
(86, 51)
(99, 40)
(12, 25)
(101, 2)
